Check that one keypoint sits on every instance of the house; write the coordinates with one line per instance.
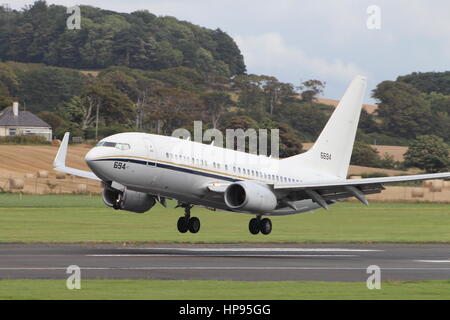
(14, 122)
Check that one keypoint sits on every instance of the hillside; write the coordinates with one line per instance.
(139, 72)
(140, 39)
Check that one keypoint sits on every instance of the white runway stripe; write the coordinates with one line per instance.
(237, 255)
(434, 261)
(261, 249)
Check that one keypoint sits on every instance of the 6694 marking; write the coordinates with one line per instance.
(120, 165)
(325, 156)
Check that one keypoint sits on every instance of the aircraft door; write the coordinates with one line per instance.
(150, 156)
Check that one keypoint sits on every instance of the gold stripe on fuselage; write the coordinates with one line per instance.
(176, 164)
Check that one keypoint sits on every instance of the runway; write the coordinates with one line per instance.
(245, 262)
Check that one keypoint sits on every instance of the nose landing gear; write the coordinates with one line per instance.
(257, 225)
(188, 223)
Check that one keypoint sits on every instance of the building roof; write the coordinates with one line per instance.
(24, 119)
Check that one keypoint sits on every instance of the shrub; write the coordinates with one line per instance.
(23, 140)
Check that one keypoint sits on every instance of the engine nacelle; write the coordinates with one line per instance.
(128, 200)
(250, 196)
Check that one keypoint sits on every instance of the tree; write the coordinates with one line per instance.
(364, 155)
(311, 89)
(171, 108)
(98, 102)
(404, 110)
(428, 152)
(55, 121)
(45, 88)
(215, 104)
(275, 91)
(367, 122)
(290, 143)
(306, 118)
(428, 82)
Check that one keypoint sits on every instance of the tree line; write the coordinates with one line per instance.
(39, 34)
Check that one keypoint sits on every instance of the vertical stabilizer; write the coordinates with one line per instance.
(332, 151)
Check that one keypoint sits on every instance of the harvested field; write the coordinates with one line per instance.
(30, 162)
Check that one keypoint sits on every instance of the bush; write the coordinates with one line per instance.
(429, 153)
(374, 175)
(364, 155)
(24, 140)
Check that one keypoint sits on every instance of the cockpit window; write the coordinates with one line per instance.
(120, 146)
(106, 144)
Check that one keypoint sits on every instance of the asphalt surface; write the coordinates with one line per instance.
(275, 262)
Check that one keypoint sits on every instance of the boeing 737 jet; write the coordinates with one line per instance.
(137, 170)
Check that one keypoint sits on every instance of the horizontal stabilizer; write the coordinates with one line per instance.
(59, 164)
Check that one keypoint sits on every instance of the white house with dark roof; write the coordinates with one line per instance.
(14, 122)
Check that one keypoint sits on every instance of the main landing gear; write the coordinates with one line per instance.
(188, 223)
(257, 225)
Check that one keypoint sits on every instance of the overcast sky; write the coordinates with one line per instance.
(315, 39)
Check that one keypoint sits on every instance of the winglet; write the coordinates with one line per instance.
(60, 159)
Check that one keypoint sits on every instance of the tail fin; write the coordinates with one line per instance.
(333, 149)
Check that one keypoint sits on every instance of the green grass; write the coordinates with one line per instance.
(169, 289)
(71, 218)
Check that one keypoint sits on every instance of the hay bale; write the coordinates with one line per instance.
(446, 184)
(42, 174)
(56, 142)
(16, 183)
(417, 192)
(60, 175)
(355, 177)
(29, 176)
(436, 185)
(427, 183)
(82, 188)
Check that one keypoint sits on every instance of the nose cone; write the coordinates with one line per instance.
(90, 156)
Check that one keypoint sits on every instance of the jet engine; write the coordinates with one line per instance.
(128, 200)
(250, 196)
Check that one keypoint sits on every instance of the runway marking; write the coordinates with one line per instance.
(223, 256)
(216, 268)
(434, 261)
(262, 249)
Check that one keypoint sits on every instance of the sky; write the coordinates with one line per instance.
(328, 40)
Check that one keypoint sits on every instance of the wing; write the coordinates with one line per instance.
(324, 191)
(59, 164)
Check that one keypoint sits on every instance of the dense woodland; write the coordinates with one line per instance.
(155, 74)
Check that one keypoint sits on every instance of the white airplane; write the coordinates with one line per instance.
(138, 169)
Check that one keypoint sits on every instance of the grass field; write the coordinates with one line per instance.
(71, 218)
(181, 290)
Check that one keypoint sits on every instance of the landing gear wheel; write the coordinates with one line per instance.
(194, 224)
(265, 226)
(253, 226)
(183, 224)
